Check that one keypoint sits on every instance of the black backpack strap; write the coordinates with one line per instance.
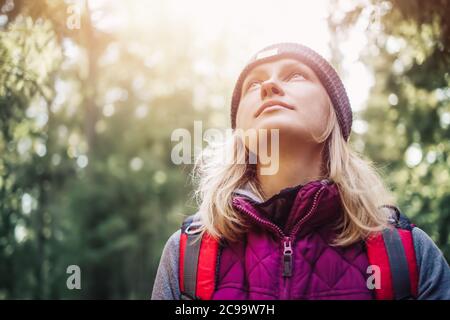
(398, 264)
(191, 254)
(396, 253)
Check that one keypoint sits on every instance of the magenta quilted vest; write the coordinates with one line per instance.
(287, 254)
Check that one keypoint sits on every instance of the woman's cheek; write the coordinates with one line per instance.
(245, 112)
(240, 118)
(320, 120)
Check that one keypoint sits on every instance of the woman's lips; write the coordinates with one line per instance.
(274, 107)
(271, 105)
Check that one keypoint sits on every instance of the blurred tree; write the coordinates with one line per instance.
(408, 112)
(86, 176)
(30, 55)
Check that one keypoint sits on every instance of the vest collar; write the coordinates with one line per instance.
(293, 211)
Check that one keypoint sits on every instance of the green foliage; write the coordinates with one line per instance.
(85, 173)
(408, 113)
(30, 56)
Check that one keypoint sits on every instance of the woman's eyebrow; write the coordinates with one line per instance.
(255, 73)
(252, 75)
(298, 66)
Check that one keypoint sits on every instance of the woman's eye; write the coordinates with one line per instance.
(252, 85)
(296, 75)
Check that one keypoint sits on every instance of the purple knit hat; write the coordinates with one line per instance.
(324, 71)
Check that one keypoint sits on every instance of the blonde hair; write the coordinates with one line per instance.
(360, 187)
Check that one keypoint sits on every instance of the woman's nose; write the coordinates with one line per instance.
(270, 88)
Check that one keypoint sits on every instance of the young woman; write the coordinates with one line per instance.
(303, 231)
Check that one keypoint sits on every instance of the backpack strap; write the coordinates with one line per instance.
(198, 257)
(398, 264)
(392, 250)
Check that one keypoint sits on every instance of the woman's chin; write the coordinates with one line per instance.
(281, 121)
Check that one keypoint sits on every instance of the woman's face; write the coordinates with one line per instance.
(284, 94)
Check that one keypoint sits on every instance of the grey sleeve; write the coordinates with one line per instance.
(166, 286)
(434, 272)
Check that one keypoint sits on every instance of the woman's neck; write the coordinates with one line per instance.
(294, 168)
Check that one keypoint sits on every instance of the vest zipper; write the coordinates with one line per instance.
(287, 240)
(287, 257)
(272, 226)
(309, 213)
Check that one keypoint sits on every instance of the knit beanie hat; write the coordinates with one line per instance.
(324, 71)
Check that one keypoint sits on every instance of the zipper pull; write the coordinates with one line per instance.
(287, 257)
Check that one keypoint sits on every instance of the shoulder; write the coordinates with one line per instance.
(434, 272)
(174, 239)
(173, 243)
(171, 249)
(424, 245)
(433, 269)
(165, 286)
